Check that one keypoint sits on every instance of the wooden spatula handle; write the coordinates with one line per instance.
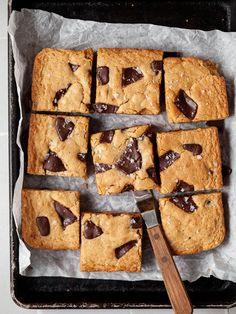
(173, 283)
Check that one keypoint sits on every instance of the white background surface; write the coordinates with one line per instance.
(7, 305)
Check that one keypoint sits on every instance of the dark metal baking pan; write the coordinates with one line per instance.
(57, 292)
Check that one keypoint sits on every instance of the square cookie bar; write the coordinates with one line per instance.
(58, 145)
(111, 242)
(51, 219)
(62, 80)
(128, 81)
(189, 160)
(123, 160)
(194, 90)
(193, 224)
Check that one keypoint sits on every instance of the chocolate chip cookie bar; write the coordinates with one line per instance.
(51, 219)
(111, 242)
(128, 81)
(194, 90)
(123, 160)
(193, 224)
(189, 160)
(61, 80)
(58, 145)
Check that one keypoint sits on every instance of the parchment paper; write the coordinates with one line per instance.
(32, 30)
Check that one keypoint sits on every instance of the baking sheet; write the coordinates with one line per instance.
(32, 30)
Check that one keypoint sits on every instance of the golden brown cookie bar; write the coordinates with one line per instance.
(51, 219)
(193, 224)
(123, 160)
(111, 242)
(194, 90)
(58, 145)
(128, 81)
(62, 80)
(189, 160)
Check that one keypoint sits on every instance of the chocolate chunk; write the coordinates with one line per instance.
(226, 171)
(91, 230)
(136, 222)
(156, 66)
(104, 108)
(131, 159)
(60, 94)
(185, 202)
(128, 187)
(64, 128)
(43, 225)
(53, 163)
(123, 249)
(103, 75)
(102, 167)
(82, 157)
(195, 149)
(131, 75)
(167, 159)
(65, 214)
(152, 174)
(182, 186)
(107, 136)
(186, 104)
(73, 67)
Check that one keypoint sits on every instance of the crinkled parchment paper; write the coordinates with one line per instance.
(32, 30)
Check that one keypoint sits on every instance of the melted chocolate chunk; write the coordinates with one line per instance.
(131, 75)
(226, 171)
(185, 202)
(82, 157)
(103, 75)
(186, 104)
(104, 108)
(131, 159)
(73, 67)
(107, 136)
(65, 214)
(152, 174)
(43, 225)
(128, 187)
(156, 66)
(182, 186)
(91, 230)
(102, 167)
(123, 249)
(195, 149)
(53, 163)
(136, 222)
(64, 128)
(167, 159)
(60, 94)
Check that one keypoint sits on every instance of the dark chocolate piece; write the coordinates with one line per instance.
(104, 108)
(107, 136)
(195, 149)
(156, 66)
(186, 203)
(65, 214)
(53, 163)
(123, 249)
(152, 174)
(100, 167)
(167, 159)
(182, 186)
(103, 75)
(186, 104)
(73, 67)
(131, 75)
(131, 159)
(91, 230)
(136, 222)
(82, 156)
(128, 187)
(226, 171)
(43, 225)
(64, 128)
(60, 94)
